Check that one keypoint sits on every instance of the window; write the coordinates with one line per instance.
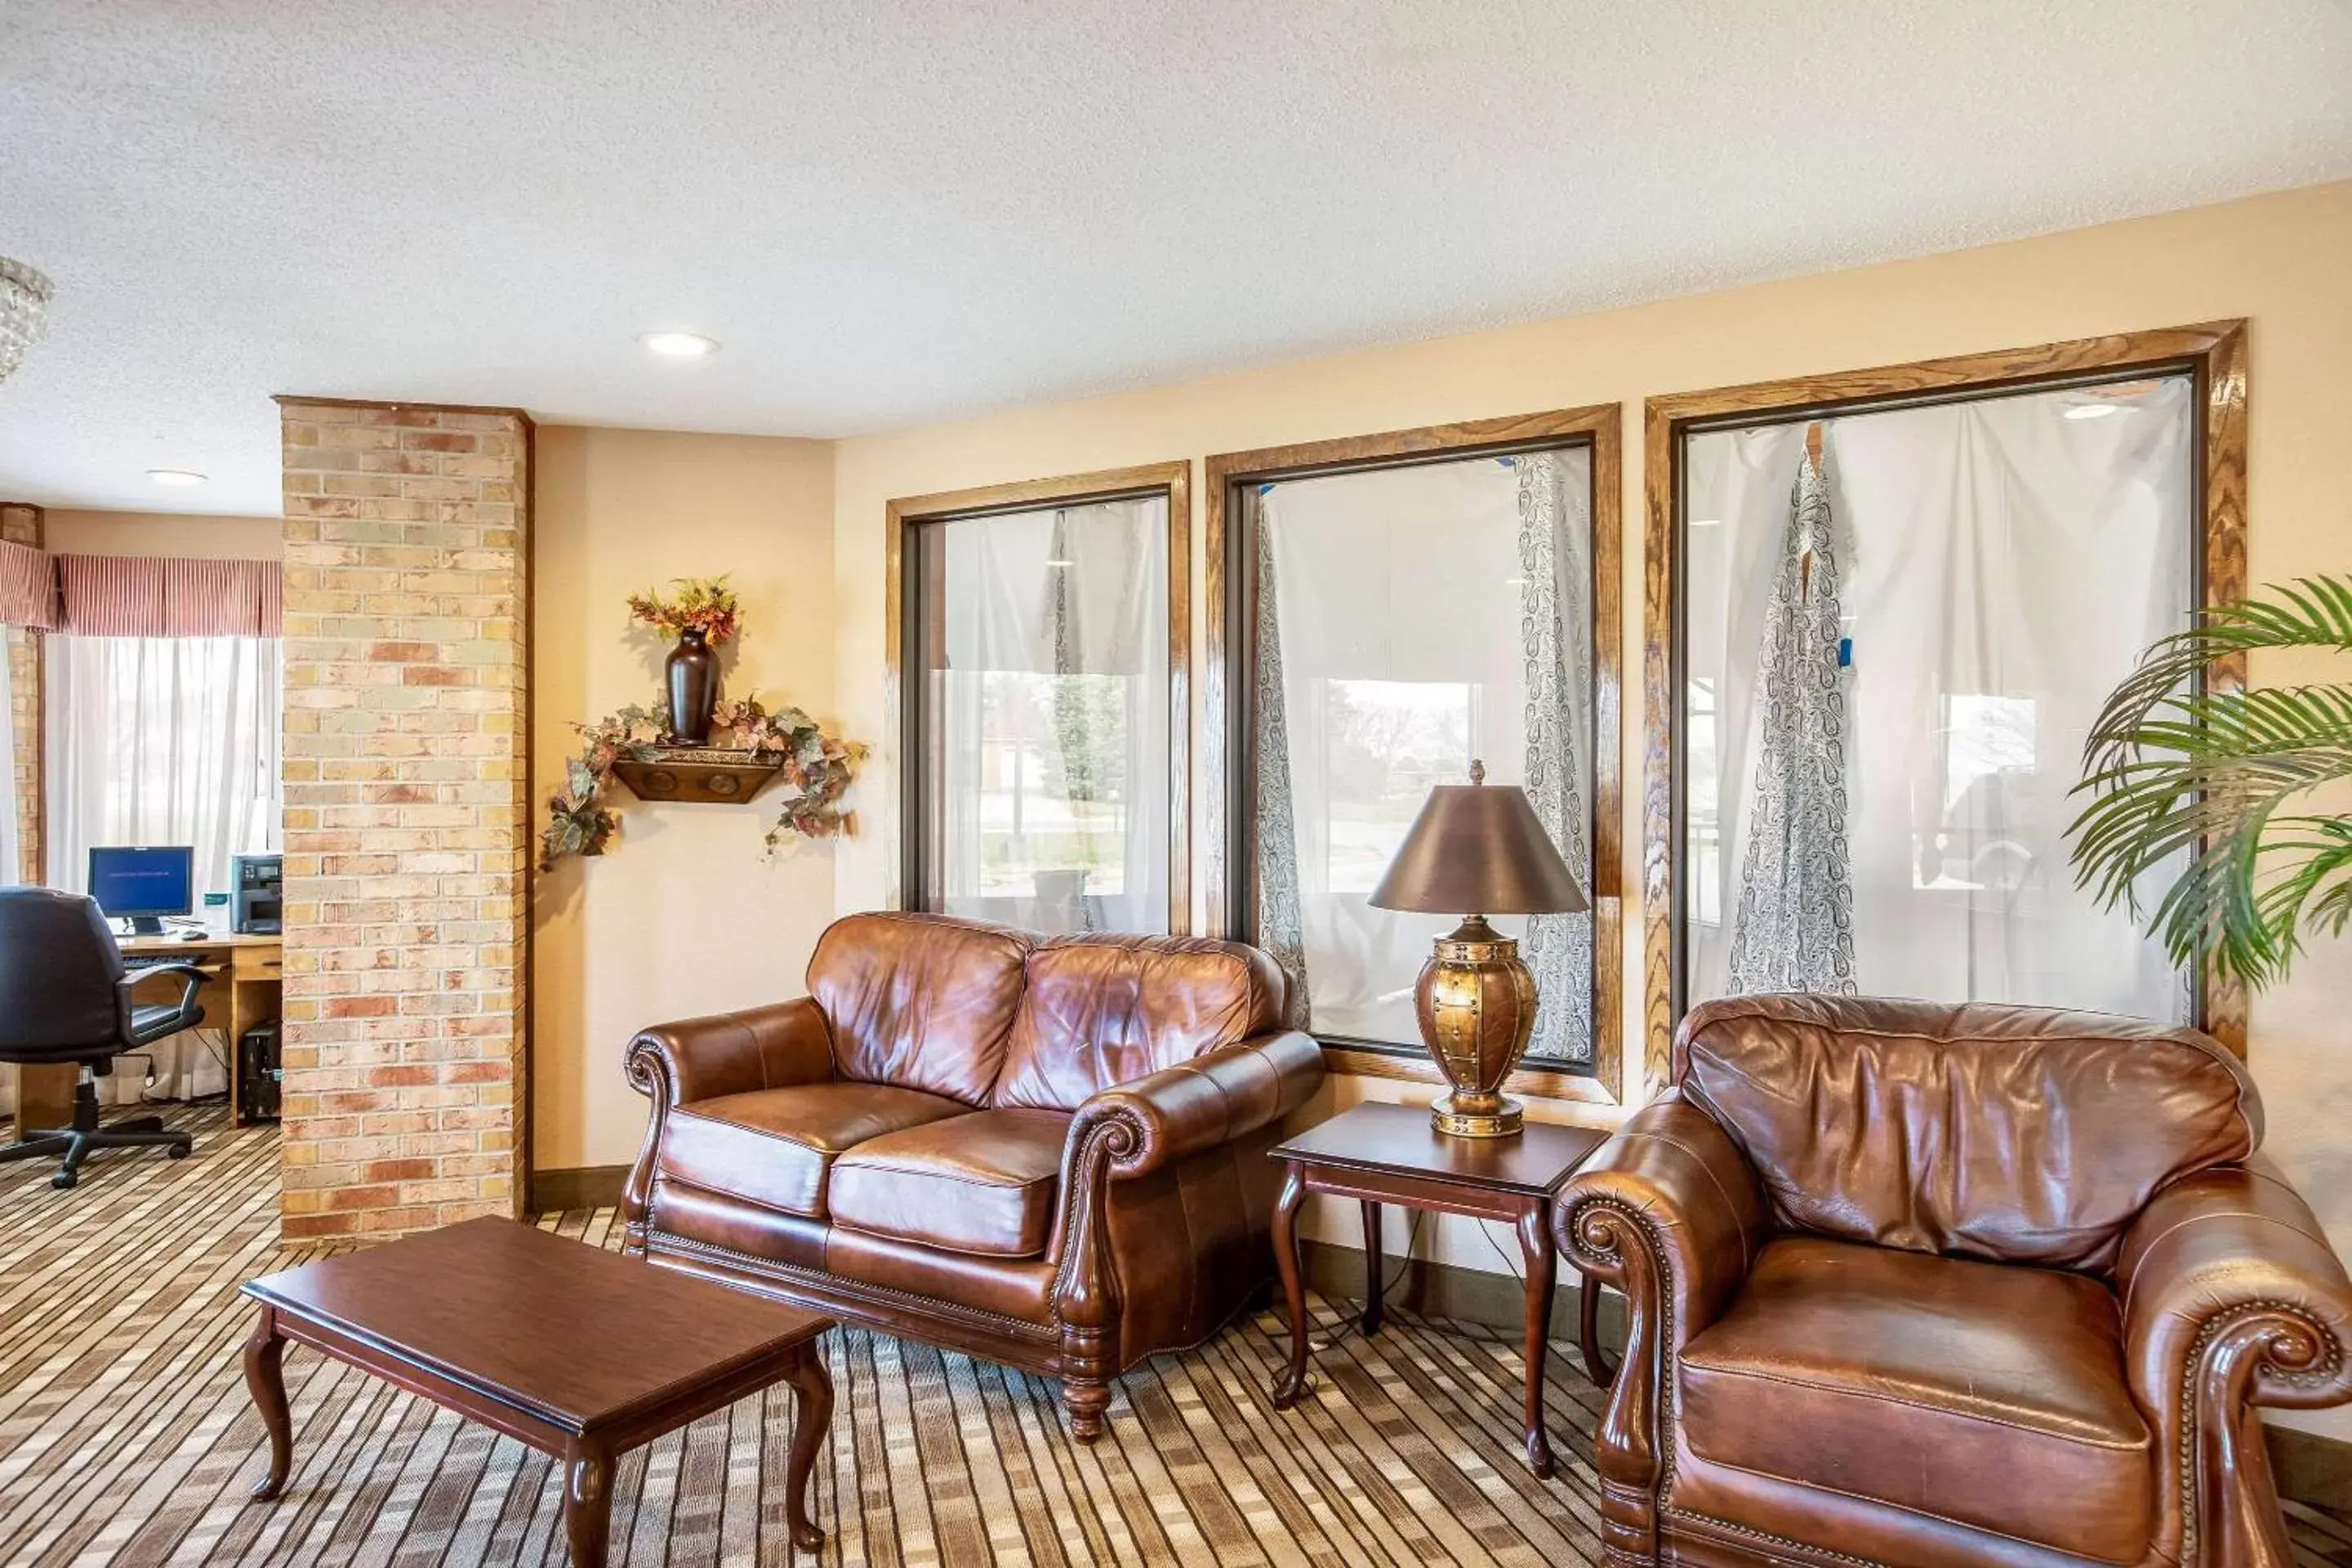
(1041, 714)
(1893, 655)
(1388, 625)
(162, 741)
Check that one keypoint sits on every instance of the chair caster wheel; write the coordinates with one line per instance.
(179, 1150)
(63, 1180)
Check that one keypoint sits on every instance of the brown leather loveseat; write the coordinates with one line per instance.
(1051, 1153)
(1922, 1285)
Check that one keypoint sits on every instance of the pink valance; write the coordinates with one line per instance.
(155, 596)
(28, 587)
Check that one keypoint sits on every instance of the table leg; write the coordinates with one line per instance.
(1371, 1322)
(1588, 1333)
(1535, 1245)
(812, 1418)
(265, 1377)
(587, 1500)
(1293, 1384)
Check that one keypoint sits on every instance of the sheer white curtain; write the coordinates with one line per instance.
(162, 741)
(2002, 562)
(1405, 621)
(1046, 647)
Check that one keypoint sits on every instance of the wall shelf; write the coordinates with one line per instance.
(703, 774)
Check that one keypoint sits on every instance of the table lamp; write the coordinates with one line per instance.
(1477, 846)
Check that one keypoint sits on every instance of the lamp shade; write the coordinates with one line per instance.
(1478, 849)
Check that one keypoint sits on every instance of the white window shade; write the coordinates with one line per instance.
(2001, 563)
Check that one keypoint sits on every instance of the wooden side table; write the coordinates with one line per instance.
(576, 1352)
(1391, 1155)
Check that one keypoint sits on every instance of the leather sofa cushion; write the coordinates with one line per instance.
(1103, 1010)
(920, 1001)
(982, 1183)
(1988, 1394)
(2013, 1134)
(775, 1146)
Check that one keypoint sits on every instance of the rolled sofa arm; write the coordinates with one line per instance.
(2232, 1299)
(1179, 1111)
(1670, 1212)
(1670, 1197)
(731, 1053)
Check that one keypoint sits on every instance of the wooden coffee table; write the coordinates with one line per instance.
(1391, 1155)
(572, 1350)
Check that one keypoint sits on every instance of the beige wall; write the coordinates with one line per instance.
(165, 534)
(2277, 260)
(681, 917)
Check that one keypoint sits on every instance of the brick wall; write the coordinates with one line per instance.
(407, 822)
(22, 525)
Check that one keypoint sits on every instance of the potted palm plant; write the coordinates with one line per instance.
(2237, 780)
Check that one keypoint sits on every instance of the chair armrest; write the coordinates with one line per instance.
(731, 1053)
(1164, 1118)
(192, 980)
(2231, 1300)
(2228, 1280)
(1669, 1211)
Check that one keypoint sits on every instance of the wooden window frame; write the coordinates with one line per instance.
(903, 712)
(2213, 353)
(1226, 772)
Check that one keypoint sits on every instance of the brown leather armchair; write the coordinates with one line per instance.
(1051, 1153)
(1926, 1286)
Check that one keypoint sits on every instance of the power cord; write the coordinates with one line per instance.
(1353, 1324)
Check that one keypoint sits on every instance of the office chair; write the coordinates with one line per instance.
(65, 997)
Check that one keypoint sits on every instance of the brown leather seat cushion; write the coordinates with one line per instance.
(1989, 1394)
(1103, 1010)
(774, 1146)
(982, 1182)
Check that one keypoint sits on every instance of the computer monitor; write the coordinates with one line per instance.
(142, 883)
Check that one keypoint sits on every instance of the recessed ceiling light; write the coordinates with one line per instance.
(680, 345)
(2092, 411)
(1707, 522)
(179, 478)
(1057, 564)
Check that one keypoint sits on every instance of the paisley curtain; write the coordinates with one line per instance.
(1555, 615)
(1794, 929)
(1281, 921)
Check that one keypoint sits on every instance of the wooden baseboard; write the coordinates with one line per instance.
(581, 1187)
(2310, 1469)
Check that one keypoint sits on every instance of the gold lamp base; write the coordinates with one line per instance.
(1461, 1116)
(1477, 1004)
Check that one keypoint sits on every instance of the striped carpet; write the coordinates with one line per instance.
(126, 1438)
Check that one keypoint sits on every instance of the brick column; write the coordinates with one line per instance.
(22, 525)
(408, 829)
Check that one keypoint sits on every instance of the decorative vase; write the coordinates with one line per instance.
(693, 671)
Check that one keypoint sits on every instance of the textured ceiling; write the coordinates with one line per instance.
(892, 212)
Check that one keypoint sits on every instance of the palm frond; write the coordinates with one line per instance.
(2173, 770)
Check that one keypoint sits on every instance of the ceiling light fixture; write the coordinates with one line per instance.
(1707, 522)
(2092, 411)
(178, 478)
(678, 346)
(1057, 564)
(24, 312)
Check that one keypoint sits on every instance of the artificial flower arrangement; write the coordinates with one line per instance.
(817, 768)
(702, 605)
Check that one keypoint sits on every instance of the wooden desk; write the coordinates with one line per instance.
(1391, 1155)
(240, 990)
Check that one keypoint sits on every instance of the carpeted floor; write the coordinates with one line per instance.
(126, 1437)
